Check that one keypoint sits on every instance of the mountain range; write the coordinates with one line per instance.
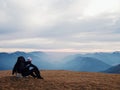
(111, 58)
(7, 60)
(85, 64)
(89, 62)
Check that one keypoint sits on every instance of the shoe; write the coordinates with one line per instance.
(40, 78)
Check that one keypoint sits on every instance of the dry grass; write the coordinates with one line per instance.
(61, 80)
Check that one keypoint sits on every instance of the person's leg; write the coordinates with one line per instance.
(33, 75)
(26, 73)
(37, 72)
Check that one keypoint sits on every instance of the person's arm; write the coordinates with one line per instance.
(14, 69)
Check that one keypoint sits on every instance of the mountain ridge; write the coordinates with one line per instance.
(86, 64)
(89, 62)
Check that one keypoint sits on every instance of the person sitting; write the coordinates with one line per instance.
(19, 66)
(31, 69)
(26, 68)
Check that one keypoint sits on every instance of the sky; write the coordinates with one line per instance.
(60, 25)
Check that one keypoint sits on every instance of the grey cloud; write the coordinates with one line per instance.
(60, 22)
(68, 29)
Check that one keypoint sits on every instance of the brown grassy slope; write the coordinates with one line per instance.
(61, 80)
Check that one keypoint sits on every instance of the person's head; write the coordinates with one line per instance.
(20, 59)
(29, 59)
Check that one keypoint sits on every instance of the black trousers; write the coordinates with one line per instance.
(33, 72)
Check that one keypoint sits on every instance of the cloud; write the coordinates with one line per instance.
(60, 24)
(69, 29)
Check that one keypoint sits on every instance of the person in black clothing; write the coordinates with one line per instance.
(31, 69)
(19, 66)
(26, 68)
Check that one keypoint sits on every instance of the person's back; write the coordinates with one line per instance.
(19, 66)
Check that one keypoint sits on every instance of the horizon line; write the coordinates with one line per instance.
(10, 50)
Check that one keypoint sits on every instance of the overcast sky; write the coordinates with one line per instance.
(60, 25)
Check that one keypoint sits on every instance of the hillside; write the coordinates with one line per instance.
(111, 58)
(61, 80)
(87, 64)
(113, 69)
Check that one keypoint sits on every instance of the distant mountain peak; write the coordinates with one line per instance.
(19, 52)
